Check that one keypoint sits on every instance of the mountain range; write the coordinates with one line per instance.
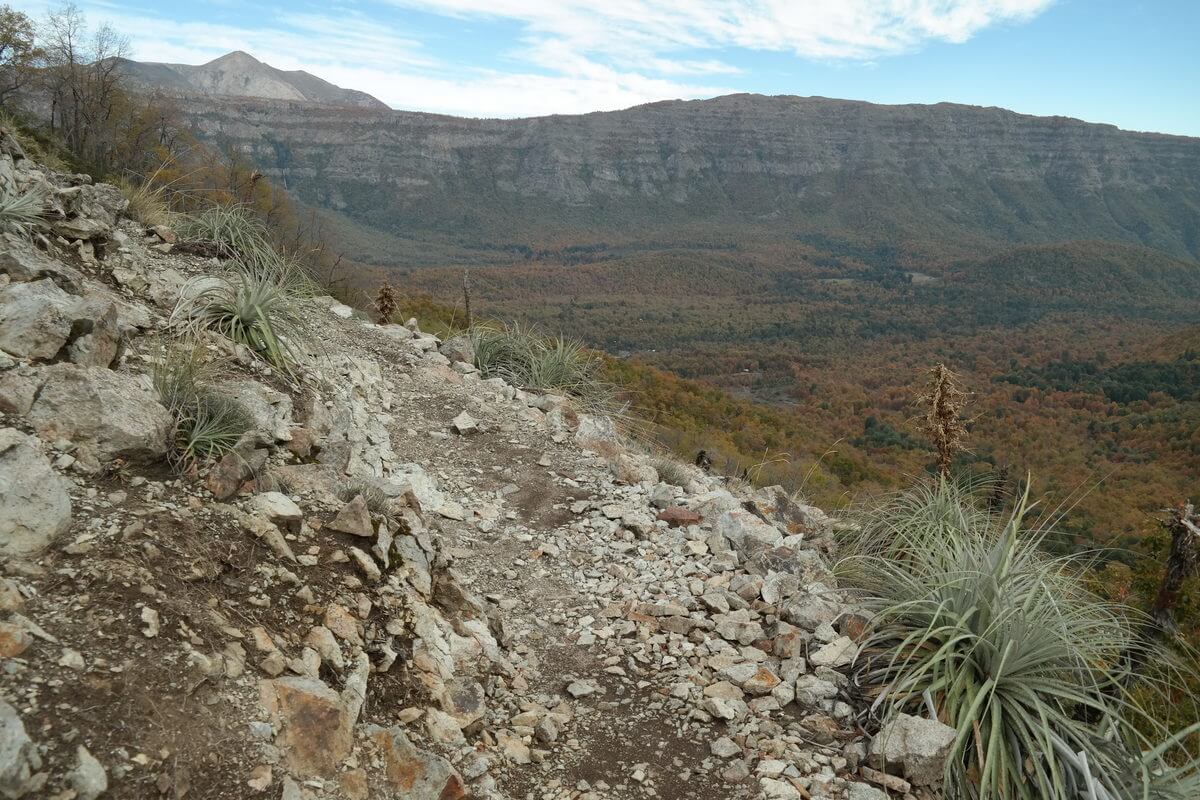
(943, 180)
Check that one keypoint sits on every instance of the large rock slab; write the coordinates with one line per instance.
(90, 211)
(270, 411)
(315, 728)
(106, 414)
(21, 261)
(35, 507)
(918, 747)
(413, 773)
(19, 758)
(746, 532)
(35, 320)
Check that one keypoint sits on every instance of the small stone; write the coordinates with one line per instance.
(151, 619)
(14, 640)
(678, 516)
(354, 519)
(88, 779)
(260, 778)
(464, 424)
(725, 748)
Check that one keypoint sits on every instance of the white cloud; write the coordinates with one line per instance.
(571, 56)
(823, 29)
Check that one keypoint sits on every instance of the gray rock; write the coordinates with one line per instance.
(459, 348)
(90, 210)
(97, 332)
(106, 414)
(464, 424)
(917, 746)
(811, 690)
(19, 758)
(23, 262)
(18, 388)
(270, 411)
(809, 611)
(862, 791)
(35, 321)
(88, 779)
(35, 507)
(746, 532)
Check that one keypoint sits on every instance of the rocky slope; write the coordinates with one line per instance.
(406, 582)
(734, 169)
(240, 74)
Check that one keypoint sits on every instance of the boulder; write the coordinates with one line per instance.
(90, 211)
(916, 746)
(745, 531)
(19, 757)
(23, 262)
(632, 470)
(35, 321)
(459, 348)
(18, 388)
(315, 728)
(35, 506)
(414, 773)
(88, 779)
(106, 414)
(270, 411)
(97, 331)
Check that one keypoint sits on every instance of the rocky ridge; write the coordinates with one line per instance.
(408, 581)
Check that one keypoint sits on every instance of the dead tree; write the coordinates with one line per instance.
(1184, 527)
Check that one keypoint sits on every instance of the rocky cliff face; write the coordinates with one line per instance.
(784, 165)
(240, 74)
(405, 581)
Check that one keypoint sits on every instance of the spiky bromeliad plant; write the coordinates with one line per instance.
(207, 424)
(259, 307)
(236, 230)
(527, 358)
(1011, 650)
(20, 209)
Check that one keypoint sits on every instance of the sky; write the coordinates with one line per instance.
(1131, 63)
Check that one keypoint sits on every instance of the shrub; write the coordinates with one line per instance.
(207, 424)
(377, 500)
(236, 231)
(1012, 650)
(527, 358)
(261, 308)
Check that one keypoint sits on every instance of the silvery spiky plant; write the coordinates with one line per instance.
(971, 617)
(257, 306)
(235, 230)
(524, 357)
(207, 424)
(21, 209)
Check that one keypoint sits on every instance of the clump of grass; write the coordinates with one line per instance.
(21, 210)
(207, 424)
(377, 500)
(235, 230)
(671, 471)
(149, 204)
(261, 308)
(942, 403)
(525, 357)
(1010, 648)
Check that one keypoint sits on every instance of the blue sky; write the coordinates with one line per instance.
(1129, 63)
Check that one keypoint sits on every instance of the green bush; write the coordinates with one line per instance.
(1012, 650)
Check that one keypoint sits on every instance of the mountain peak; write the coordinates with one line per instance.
(239, 74)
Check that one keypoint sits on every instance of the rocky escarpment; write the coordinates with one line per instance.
(406, 581)
(946, 174)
